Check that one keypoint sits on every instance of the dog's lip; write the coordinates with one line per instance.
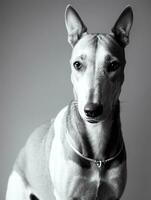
(93, 120)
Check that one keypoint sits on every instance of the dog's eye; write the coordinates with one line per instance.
(77, 65)
(113, 66)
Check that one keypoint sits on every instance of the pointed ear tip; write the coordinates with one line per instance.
(69, 6)
(129, 9)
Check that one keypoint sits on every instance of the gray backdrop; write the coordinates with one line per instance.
(35, 77)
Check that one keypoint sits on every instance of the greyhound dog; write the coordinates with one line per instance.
(80, 155)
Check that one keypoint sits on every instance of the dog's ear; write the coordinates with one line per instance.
(123, 26)
(74, 24)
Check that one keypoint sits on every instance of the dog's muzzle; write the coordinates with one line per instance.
(93, 110)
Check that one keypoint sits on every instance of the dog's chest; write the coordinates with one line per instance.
(73, 182)
(70, 180)
(82, 184)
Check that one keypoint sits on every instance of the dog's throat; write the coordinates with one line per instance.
(77, 130)
(98, 163)
(91, 143)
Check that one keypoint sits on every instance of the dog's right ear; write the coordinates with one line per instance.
(123, 26)
(74, 24)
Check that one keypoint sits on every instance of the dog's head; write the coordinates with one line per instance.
(97, 64)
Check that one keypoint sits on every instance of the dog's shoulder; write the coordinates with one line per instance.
(39, 136)
(36, 149)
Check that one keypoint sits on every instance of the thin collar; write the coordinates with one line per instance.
(98, 163)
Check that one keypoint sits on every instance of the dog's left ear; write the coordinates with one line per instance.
(123, 26)
(74, 24)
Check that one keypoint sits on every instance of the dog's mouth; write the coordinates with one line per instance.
(93, 120)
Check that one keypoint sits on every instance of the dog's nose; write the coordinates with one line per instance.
(93, 109)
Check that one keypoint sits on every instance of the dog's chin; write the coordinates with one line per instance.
(93, 120)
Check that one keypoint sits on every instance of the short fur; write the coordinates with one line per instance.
(47, 166)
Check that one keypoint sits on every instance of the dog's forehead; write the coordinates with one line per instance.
(108, 42)
(86, 47)
(98, 44)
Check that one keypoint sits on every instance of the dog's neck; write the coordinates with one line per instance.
(98, 141)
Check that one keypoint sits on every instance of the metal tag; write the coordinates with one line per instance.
(99, 163)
